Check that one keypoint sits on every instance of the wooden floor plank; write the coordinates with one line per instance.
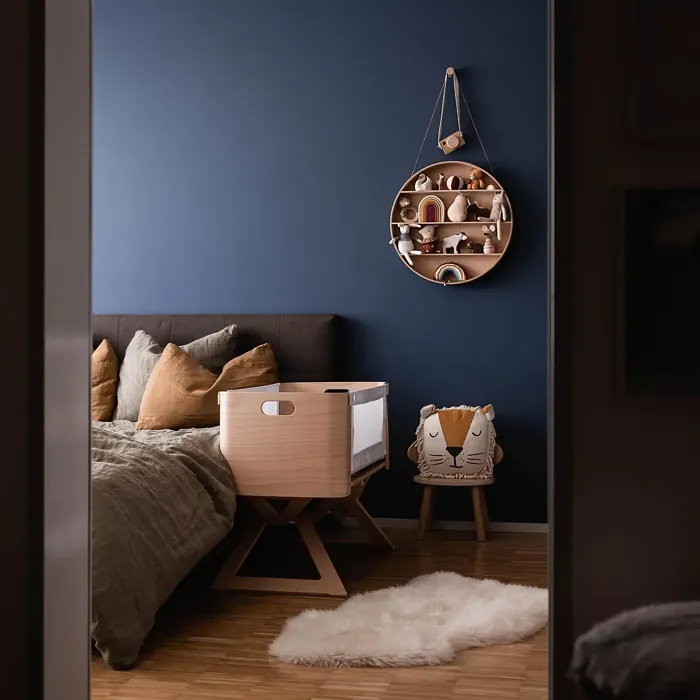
(215, 646)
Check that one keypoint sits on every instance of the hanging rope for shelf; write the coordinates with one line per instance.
(450, 72)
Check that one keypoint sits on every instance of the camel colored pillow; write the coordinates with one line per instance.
(182, 394)
(143, 352)
(105, 375)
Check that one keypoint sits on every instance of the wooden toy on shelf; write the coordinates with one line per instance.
(460, 252)
(404, 243)
(453, 242)
(408, 213)
(431, 210)
(489, 246)
(472, 247)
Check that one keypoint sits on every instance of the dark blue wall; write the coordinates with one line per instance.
(246, 156)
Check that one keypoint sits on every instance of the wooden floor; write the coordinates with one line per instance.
(214, 646)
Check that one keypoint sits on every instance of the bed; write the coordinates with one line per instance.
(163, 499)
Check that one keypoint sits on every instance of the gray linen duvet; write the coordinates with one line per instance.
(161, 500)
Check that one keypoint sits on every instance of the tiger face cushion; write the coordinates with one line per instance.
(457, 442)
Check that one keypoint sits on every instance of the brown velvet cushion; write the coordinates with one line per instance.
(105, 374)
(182, 394)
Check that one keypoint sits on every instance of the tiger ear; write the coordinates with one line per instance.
(427, 411)
(489, 412)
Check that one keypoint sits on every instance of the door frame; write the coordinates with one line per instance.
(66, 245)
(560, 343)
(67, 349)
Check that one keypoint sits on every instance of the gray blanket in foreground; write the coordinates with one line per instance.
(161, 500)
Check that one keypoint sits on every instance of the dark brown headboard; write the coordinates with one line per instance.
(305, 345)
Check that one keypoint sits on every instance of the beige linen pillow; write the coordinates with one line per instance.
(143, 352)
(105, 374)
(182, 394)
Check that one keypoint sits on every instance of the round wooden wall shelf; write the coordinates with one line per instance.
(438, 261)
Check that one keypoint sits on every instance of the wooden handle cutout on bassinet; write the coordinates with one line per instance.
(278, 408)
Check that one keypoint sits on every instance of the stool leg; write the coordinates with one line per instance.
(426, 511)
(479, 513)
(487, 522)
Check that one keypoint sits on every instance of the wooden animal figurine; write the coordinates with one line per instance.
(476, 181)
(440, 180)
(457, 211)
(423, 183)
(455, 182)
(489, 246)
(404, 201)
(474, 248)
(453, 241)
(404, 243)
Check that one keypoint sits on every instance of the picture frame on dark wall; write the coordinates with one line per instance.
(663, 94)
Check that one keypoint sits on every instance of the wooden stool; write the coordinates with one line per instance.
(427, 508)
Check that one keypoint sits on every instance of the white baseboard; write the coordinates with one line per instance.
(463, 525)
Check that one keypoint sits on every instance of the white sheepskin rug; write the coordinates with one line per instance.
(420, 624)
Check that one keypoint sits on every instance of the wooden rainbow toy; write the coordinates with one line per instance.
(431, 210)
(450, 272)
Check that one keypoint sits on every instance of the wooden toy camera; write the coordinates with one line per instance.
(452, 142)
